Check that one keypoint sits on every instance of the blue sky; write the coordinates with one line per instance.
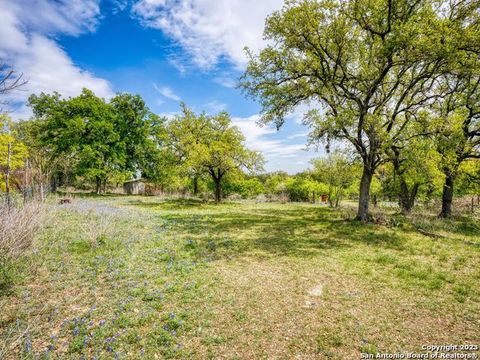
(165, 50)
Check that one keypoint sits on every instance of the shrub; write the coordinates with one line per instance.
(18, 226)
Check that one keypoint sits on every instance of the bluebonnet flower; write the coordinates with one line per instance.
(28, 344)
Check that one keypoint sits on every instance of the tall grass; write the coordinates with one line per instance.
(18, 227)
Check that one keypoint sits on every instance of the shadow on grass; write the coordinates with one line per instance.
(461, 225)
(290, 231)
(89, 195)
(169, 204)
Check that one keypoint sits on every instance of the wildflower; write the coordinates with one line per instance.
(28, 345)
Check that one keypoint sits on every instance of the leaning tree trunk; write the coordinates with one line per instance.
(447, 196)
(364, 199)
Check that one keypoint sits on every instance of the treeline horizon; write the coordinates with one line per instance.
(86, 142)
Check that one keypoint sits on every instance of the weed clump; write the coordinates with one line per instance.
(18, 226)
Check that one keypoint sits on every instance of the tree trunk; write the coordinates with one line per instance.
(218, 189)
(406, 197)
(447, 196)
(98, 185)
(337, 200)
(195, 185)
(364, 199)
(54, 183)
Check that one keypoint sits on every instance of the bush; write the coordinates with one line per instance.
(246, 188)
(18, 226)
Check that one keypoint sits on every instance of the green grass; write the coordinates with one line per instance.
(138, 277)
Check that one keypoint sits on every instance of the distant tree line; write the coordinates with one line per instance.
(87, 142)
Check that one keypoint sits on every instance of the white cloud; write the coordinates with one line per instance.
(169, 115)
(27, 46)
(214, 107)
(226, 81)
(119, 5)
(210, 30)
(298, 135)
(178, 63)
(49, 68)
(167, 92)
(52, 17)
(279, 153)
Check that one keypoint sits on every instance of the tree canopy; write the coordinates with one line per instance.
(210, 144)
(370, 64)
(97, 139)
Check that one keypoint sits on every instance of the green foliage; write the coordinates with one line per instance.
(337, 172)
(244, 186)
(18, 151)
(210, 144)
(369, 64)
(469, 178)
(141, 132)
(275, 182)
(304, 188)
(93, 139)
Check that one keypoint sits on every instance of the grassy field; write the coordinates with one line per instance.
(141, 277)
